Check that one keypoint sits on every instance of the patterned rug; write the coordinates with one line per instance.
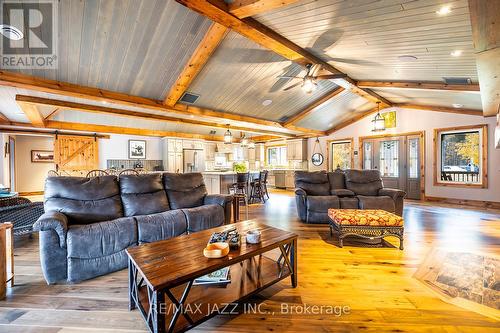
(469, 276)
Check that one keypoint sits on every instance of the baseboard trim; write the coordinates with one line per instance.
(24, 194)
(473, 203)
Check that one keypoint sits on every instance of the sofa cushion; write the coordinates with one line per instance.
(313, 183)
(204, 217)
(349, 203)
(363, 182)
(143, 194)
(84, 200)
(161, 226)
(342, 192)
(382, 202)
(322, 203)
(336, 180)
(101, 239)
(80, 269)
(184, 190)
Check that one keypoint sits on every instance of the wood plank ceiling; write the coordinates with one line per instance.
(113, 45)
(365, 38)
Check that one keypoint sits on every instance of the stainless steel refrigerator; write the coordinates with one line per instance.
(193, 160)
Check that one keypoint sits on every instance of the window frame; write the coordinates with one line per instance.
(280, 148)
(329, 151)
(483, 136)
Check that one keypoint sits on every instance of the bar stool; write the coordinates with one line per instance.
(259, 187)
(241, 185)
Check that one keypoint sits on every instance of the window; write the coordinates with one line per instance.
(413, 159)
(389, 158)
(277, 156)
(367, 155)
(340, 155)
(460, 155)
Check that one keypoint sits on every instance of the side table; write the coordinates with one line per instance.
(6, 257)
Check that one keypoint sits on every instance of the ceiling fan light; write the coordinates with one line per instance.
(244, 141)
(309, 85)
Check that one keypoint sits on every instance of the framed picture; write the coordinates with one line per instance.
(136, 149)
(42, 156)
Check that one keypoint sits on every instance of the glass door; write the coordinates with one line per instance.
(398, 159)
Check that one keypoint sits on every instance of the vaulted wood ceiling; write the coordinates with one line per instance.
(142, 55)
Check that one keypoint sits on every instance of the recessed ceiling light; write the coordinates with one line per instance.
(191, 116)
(444, 10)
(11, 32)
(267, 102)
(456, 105)
(456, 53)
(407, 57)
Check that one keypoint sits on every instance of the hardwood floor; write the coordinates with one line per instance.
(375, 284)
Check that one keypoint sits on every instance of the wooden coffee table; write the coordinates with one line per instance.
(161, 275)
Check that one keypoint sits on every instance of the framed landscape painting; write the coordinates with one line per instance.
(136, 149)
(42, 156)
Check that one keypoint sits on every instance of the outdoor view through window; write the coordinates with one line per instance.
(461, 157)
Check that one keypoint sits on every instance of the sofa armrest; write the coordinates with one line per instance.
(299, 191)
(342, 192)
(218, 199)
(392, 192)
(56, 221)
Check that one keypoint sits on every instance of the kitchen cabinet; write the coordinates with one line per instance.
(290, 179)
(179, 165)
(240, 153)
(296, 150)
(177, 145)
(212, 182)
(172, 154)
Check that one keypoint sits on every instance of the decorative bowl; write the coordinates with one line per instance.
(216, 250)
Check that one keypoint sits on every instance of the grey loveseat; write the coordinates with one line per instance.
(316, 192)
(89, 222)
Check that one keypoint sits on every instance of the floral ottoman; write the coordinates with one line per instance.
(366, 223)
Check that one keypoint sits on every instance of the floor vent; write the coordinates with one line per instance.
(189, 98)
(283, 119)
(457, 80)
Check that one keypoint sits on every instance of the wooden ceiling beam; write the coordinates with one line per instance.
(446, 109)
(485, 23)
(306, 131)
(310, 108)
(33, 114)
(405, 106)
(207, 46)
(4, 119)
(64, 105)
(218, 11)
(23, 81)
(62, 125)
(428, 85)
(246, 8)
(24, 128)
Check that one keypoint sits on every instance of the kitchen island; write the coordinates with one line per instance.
(218, 182)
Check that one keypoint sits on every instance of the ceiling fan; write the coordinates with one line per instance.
(309, 81)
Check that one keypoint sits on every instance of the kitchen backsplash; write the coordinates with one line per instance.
(148, 165)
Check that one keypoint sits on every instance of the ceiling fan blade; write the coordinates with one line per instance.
(288, 77)
(292, 86)
(330, 76)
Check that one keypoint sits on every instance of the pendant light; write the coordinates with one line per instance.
(244, 141)
(309, 85)
(251, 144)
(228, 137)
(379, 121)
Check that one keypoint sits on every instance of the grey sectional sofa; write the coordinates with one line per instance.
(316, 192)
(89, 222)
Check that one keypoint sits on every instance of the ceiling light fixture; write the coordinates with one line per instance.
(11, 32)
(309, 85)
(444, 10)
(379, 121)
(267, 102)
(456, 53)
(244, 141)
(228, 137)
(457, 106)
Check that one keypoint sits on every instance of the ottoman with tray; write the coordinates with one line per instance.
(366, 223)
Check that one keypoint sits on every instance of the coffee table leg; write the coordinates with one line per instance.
(159, 323)
(293, 254)
(131, 286)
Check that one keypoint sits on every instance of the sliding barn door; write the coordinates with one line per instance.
(76, 154)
